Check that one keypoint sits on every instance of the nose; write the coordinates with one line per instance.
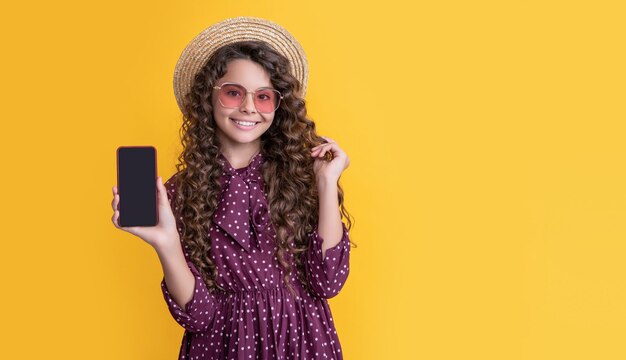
(248, 104)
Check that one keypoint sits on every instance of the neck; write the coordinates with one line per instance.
(239, 158)
(238, 154)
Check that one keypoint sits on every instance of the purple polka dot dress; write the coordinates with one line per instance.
(257, 317)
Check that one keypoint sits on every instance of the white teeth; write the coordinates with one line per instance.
(243, 123)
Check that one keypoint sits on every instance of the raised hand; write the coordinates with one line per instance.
(329, 170)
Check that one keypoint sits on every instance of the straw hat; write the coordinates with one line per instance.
(229, 31)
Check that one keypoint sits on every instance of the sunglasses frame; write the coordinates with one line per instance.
(280, 96)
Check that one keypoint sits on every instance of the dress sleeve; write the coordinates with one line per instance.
(197, 315)
(327, 275)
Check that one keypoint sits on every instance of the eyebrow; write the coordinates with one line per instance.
(260, 87)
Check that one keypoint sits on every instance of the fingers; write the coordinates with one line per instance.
(328, 141)
(114, 219)
(320, 146)
(162, 192)
(322, 149)
(116, 199)
(317, 151)
(115, 204)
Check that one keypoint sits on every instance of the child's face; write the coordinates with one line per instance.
(252, 76)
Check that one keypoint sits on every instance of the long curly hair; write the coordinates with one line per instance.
(287, 170)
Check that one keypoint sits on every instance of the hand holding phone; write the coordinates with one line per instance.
(164, 233)
(140, 202)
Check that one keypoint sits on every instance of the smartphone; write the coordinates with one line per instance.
(136, 185)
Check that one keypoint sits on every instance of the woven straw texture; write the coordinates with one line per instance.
(197, 52)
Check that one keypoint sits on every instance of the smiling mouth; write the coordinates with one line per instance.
(244, 124)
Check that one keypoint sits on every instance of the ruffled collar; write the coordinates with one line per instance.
(243, 212)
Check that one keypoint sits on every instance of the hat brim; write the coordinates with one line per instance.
(231, 30)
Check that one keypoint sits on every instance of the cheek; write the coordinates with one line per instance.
(268, 123)
(220, 113)
(218, 110)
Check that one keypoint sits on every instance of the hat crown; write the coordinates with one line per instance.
(232, 30)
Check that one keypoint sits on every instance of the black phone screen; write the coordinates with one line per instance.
(136, 185)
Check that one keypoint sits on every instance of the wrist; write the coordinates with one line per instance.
(325, 181)
(168, 244)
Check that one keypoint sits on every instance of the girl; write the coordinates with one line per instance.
(250, 236)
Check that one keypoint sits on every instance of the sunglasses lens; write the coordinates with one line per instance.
(266, 100)
(233, 95)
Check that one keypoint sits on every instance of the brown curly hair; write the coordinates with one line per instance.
(287, 170)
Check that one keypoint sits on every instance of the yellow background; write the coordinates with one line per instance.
(487, 181)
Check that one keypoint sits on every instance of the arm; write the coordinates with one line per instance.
(329, 226)
(328, 259)
(187, 296)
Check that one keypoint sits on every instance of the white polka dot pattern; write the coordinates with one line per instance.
(257, 317)
(198, 312)
(327, 274)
